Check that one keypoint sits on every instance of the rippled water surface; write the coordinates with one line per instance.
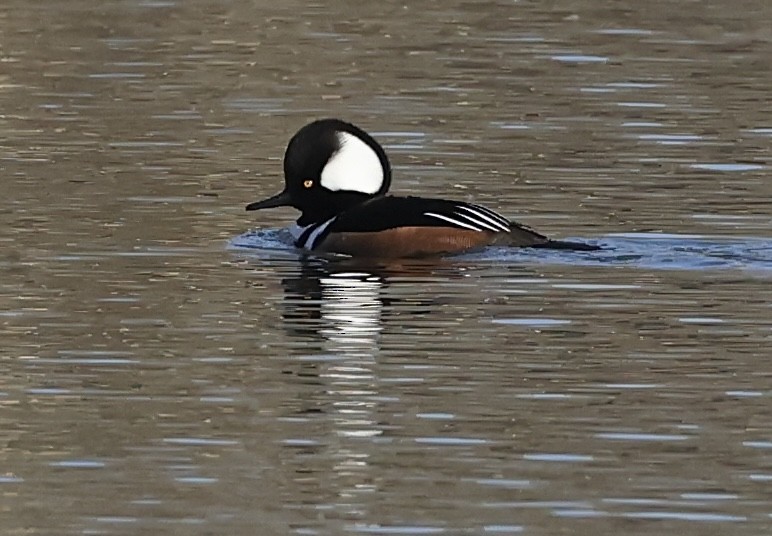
(169, 365)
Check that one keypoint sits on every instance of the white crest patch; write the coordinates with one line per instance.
(355, 167)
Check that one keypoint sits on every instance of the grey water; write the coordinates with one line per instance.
(170, 365)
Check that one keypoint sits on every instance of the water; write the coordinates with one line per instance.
(642, 250)
(171, 366)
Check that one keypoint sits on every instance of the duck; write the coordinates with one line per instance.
(338, 177)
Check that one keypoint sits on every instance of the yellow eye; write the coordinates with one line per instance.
(308, 183)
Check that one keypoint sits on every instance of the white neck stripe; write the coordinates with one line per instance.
(310, 242)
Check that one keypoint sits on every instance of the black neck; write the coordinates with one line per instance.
(330, 206)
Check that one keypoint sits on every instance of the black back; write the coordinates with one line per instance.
(388, 212)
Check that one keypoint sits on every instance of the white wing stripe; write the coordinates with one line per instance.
(495, 215)
(479, 223)
(451, 220)
(495, 222)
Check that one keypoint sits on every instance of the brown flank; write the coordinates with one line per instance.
(421, 241)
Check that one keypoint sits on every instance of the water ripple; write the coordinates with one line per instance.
(642, 250)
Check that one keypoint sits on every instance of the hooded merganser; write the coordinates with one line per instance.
(337, 176)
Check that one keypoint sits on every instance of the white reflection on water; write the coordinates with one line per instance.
(352, 308)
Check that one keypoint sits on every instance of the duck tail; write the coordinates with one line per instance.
(567, 245)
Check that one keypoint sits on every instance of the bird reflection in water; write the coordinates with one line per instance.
(346, 301)
(338, 309)
(335, 304)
